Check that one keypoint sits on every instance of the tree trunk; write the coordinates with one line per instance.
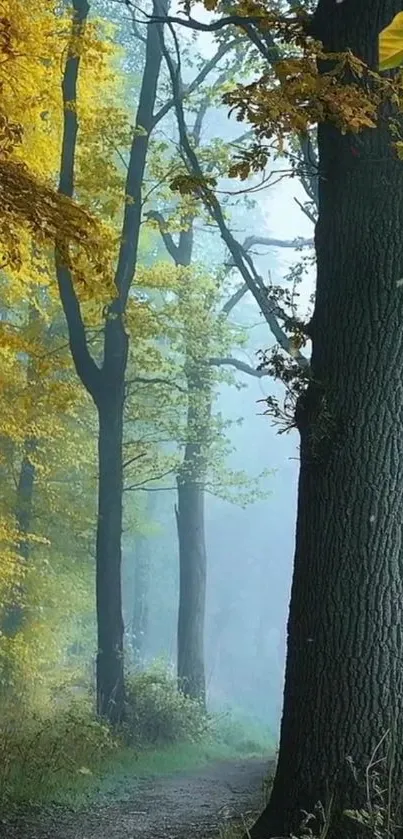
(344, 671)
(192, 584)
(191, 533)
(140, 598)
(14, 616)
(110, 670)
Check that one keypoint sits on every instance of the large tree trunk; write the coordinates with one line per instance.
(344, 671)
(110, 671)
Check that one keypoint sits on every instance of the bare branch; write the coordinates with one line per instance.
(158, 380)
(133, 459)
(172, 248)
(142, 484)
(234, 299)
(199, 79)
(137, 34)
(249, 242)
(268, 305)
(305, 210)
(191, 23)
(268, 241)
(240, 365)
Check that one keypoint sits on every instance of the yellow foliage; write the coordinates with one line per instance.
(391, 44)
(33, 41)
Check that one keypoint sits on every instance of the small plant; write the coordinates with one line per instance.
(380, 815)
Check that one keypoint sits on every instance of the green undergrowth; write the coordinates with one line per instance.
(63, 756)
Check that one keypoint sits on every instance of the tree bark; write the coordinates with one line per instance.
(140, 599)
(14, 614)
(192, 572)
(344, 670)
(110, 404)
(190, 508)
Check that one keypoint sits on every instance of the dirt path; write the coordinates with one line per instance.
(179, 806)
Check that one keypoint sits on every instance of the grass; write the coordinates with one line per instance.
(68, 759)
(115, 775)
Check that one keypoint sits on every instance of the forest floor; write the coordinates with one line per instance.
(193, 804)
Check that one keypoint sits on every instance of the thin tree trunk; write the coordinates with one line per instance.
(192, 589)
(140, 598)
(14, 616)
(110, 665)
(190, 505)
(192, 549)
(344, 670)
(106, 383)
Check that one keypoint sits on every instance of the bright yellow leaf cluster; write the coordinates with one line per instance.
(391, 44)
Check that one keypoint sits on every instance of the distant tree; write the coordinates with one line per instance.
(208, 339)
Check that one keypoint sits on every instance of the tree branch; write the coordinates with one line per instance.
(234, 299)
(135, 28)
(172, 248)
(138, 154)
(268, 306)
(191, 23)
(156, 381)
(141, 485)
(266, 45)
(305, 210)
(268, 241)
(199, 79)
(240, 365)
(249, 242)
(133, 459)
(86, 368)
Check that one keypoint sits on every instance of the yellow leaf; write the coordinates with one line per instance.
(391, 44)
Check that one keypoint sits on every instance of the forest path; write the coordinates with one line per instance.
(185, 805)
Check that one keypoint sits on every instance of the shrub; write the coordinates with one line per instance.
(158, 713)
(243, 734)
(38, 754)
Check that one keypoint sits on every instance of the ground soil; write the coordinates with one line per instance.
(189, 805)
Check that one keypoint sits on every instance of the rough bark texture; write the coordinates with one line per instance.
(344, 671)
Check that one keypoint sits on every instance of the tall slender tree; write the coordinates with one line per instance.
(106, 383)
